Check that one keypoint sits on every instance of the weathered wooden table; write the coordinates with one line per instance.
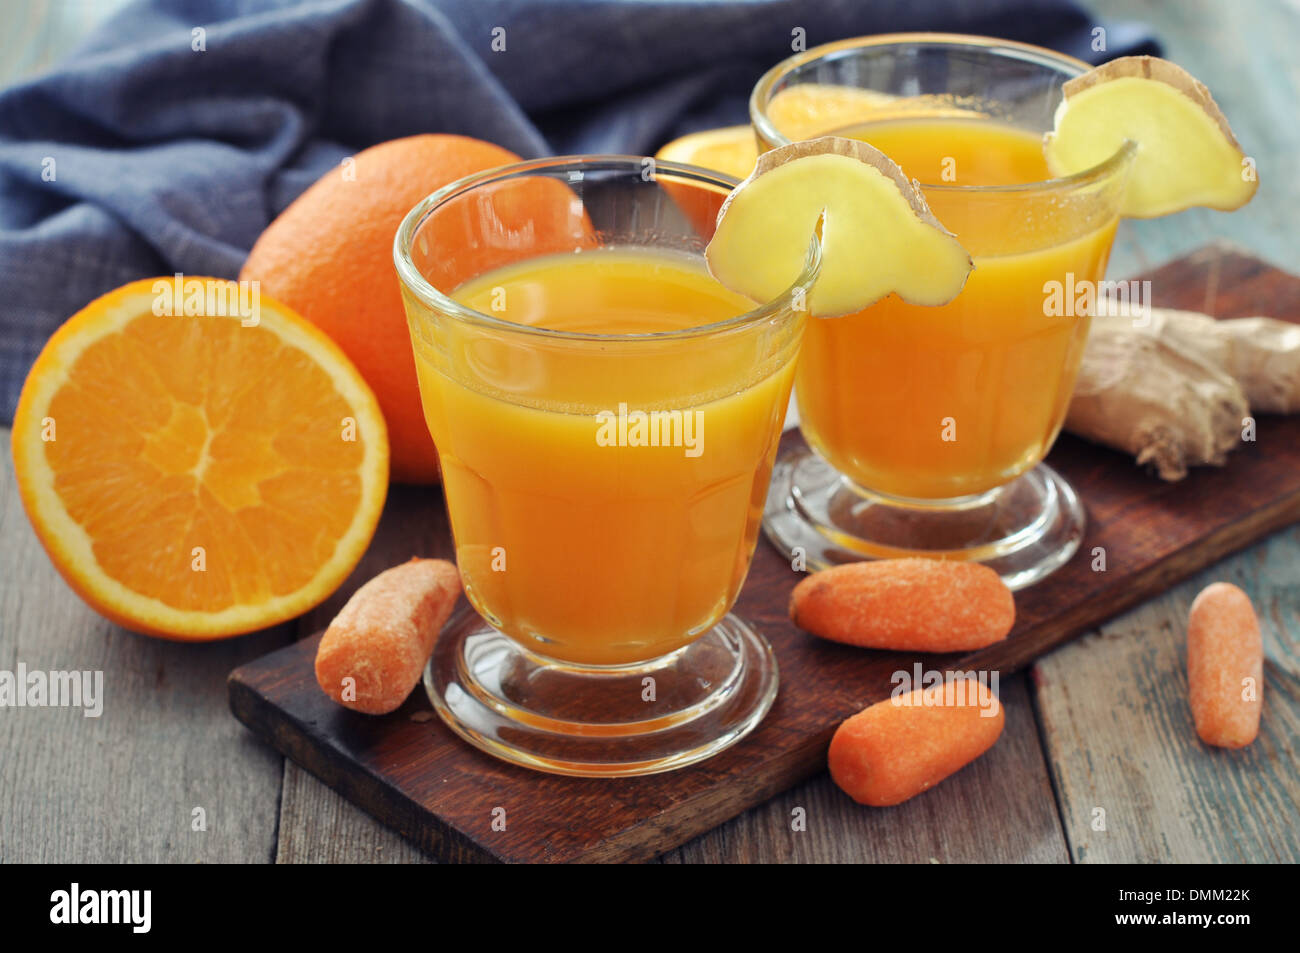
(1088, 727)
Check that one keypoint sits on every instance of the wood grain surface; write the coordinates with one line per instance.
(1244, 52)
(416, 777)
(1123, 742)
(57, 795)
(308, 807)
(997, 810)
(125, 784)
(1109, 740)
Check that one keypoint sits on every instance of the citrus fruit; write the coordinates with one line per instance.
(808, 110)
(195, 463)
(799, 112)
(730, 149)
(329, 256)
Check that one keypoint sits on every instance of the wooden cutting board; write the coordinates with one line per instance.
(410, 772)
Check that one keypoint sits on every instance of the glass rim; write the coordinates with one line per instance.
(436, 299)
(766, 129)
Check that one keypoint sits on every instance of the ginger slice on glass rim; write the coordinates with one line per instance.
(878, 236)
(1186, 156)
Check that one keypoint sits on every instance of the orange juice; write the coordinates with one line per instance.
(605, 496)
(943, 402)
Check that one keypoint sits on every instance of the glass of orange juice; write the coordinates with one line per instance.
(928, 425)
(606, 416)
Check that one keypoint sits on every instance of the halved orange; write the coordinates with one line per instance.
(729, 149)
(804, 111)
(198, 465)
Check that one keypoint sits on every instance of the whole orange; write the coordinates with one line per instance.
(329, 256)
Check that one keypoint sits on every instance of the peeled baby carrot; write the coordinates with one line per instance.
(920, 605)
(372, 654)
(1225, 666)
(902, 746)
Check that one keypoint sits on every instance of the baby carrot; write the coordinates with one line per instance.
(1225, 666)
(902, 746)
(921, 605)
(372, 654)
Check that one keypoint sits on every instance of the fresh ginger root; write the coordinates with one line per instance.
(1154, 399)
(1260, 354)
(1175, 391)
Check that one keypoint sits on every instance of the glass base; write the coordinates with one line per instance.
(1023, 530)
(601, 721)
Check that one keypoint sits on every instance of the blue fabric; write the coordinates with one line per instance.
(169, 159)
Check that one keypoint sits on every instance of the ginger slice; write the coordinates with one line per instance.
(877, 234)
(1186, 154)
(1155, 399)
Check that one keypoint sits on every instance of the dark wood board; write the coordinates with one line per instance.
(409, 771)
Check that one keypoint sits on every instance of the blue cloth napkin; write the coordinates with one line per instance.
(171, 139)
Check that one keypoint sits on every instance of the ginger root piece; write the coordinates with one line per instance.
(877, 234)
(1186, 153)
(1260, 354)
(1155, 399)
